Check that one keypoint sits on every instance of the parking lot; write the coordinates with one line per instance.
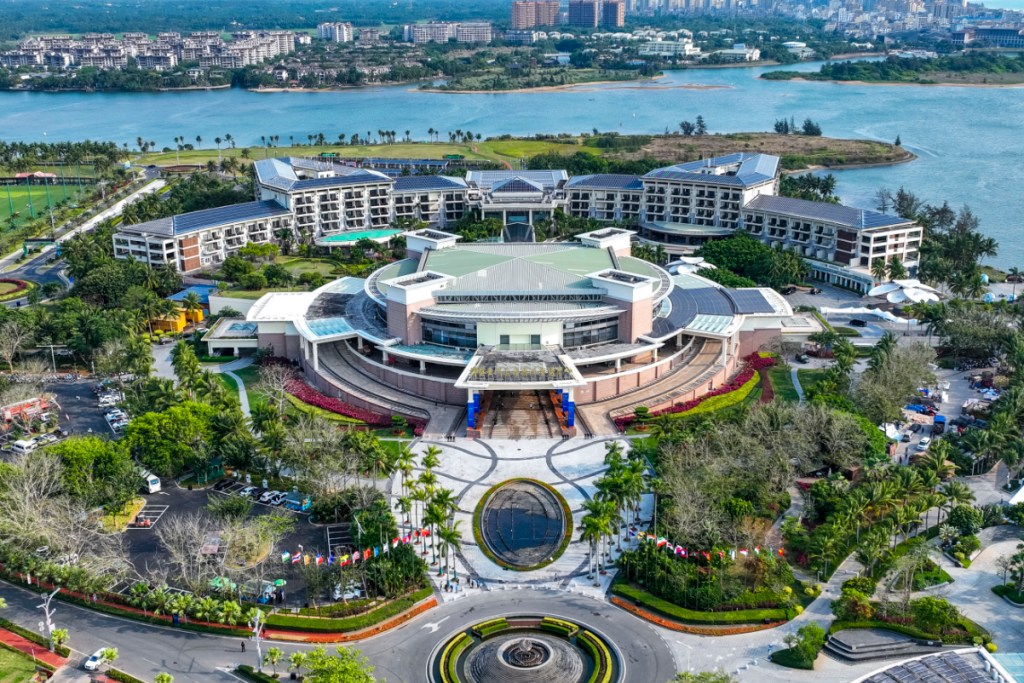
(149, 516)
(79, 412)
(338, 537)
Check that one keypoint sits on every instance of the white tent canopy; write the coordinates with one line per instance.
(904, 291)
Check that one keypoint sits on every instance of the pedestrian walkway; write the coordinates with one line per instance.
(243, 394)
(31, 649)
(795, 374)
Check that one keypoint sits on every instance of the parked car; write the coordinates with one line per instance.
(93, 663)
(802, 358)
(923, 444)
(906, 437)
(916, 427)
(267, 495)
(247, 491)
(857, 322)
(351, 591)
(278, 498)
(222, 484)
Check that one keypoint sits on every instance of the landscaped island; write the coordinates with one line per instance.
(500, 79)
(970, 69)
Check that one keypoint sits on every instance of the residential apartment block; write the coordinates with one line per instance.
(584, 13)
(443, 31)
(613, 13)
(530, 13)
(104, 51)
(336, 32)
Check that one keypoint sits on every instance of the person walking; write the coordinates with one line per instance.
(243, 646)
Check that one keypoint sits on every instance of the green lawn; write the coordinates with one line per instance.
(782, 383)
(498, 151)
(298, 266)
(809, 378)
(17, 197)
(15, 667)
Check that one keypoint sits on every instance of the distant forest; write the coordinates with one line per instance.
(19, 17)
(897, 69)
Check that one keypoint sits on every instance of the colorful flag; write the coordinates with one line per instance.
(384, 549)
(405, 539)
(683, 555)
(296, 558)
(782, 552)
(744, 552)
(632, 532)
(344, 560)
(662, 541)
(425, 532)
(319, 559)
(356, 556)
(331, 559)
(395, 541)
(679, 551)
(721, 555)
(285, 556)
(305, 559)
(732, 554)
(757, 550)
(707, 555)
(376, 550)
(367, 554)
(416, 533)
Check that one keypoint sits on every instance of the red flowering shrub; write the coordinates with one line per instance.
(752, 364)
(308, 394)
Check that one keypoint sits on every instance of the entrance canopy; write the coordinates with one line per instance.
(510, 368)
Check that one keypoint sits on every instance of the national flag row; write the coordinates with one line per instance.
(318, 559)
(684, 553)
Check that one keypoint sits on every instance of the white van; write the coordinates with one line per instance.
(150, 482)
(21, 447)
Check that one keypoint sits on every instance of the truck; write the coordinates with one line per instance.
(299, 502)
(939, 425)
(150, 482)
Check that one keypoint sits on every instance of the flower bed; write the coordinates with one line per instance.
(673, 611)
(731, 393)
(687, 628)
(311, 396)
(11, 289)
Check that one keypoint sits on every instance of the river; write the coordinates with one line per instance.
(970, 141)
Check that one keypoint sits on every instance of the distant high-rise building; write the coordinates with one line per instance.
(530, 13)
(584, 13)
(443, 31)
(336, 32)
(474, 32)
(613, 14)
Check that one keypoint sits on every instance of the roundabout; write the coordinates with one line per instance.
(526, 649)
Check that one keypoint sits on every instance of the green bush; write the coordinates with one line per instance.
(344, 625)
(791, 659)
(122, 676)
(1010, 593)
(450, 657)
(863, 584)
(251, 674)
(721, 401)
(743, 616)
(563, 628)
(62, 650)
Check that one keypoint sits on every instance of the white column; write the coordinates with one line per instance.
(423, 366)
(359, 343)
(618, 363)
(316, 359)
(385, 357)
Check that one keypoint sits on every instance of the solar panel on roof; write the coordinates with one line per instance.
(208, 218)
(749, 301)
(711, 301)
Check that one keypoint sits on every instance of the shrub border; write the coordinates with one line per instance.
(681, 614)
(62, 650)
(687, 628)
(37, 662)
(121, 676)
(478, 534)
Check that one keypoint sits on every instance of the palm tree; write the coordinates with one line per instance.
(296, 661)
(451, 542)
(218, 141)
(879, 270)
(434, 516)
(272, 657)
(956, 493)
(591, 531)
(431, 458)
(199, 141)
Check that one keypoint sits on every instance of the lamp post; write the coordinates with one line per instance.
(48, 612)
(257, 626)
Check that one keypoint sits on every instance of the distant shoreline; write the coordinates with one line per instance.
(632, 84)
(899, 83)
(910, 156)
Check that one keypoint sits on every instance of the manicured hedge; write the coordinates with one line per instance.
(37, 662)
(251, 674)
(562, 628)
(725, 400)
(304, 407)
(344, 625)
(450, 657)
(491, 627)
(970, 630)
(596, 648)
(122, 676)
(790, 659)
(743, 616)
(1009, 593)
(157, 621)
(62, 650)
(308, 394)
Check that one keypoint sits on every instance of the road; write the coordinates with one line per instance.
(400, 656)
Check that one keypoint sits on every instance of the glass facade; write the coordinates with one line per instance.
(587, 333)
(461, 335)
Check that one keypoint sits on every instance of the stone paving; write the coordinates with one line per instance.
(471, 468)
